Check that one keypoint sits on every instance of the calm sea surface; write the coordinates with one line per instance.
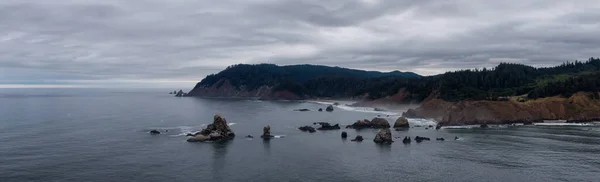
(102, 135)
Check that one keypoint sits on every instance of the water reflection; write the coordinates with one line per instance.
(219, 156)
(267, 146)
(384, 148)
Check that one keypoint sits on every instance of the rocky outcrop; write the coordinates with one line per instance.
(406, 140)
(344, 134)
(307, 129)
(329, 108)
(401, 122)
(420, 139)
(578, 107)
(384, 136)
(218, 130)
(180, 94)
(320, 109)
(267, 133)
(375, 123)
(327, 126)
(358, 138)
(154, 132)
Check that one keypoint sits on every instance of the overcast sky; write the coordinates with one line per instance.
(175, 43)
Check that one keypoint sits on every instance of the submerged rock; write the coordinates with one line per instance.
(384, 136)
(329, 108)
(320, 109)
(455, 138)
(440, 139)
(527, 123)
(267, 133)
(437, 127)
(154, 132)
(307, 128)
(249, 136)
(218, 130)
(358, 138)
(344, 134)
(401, 122)
(302, 110)
(327, 126)
(484, 126)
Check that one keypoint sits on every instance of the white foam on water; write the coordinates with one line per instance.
(563, 124)
(231, 124)
(278, 136)
(356, 109)
(420, 122)
(461, 127)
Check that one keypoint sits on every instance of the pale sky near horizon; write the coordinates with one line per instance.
(175, 43)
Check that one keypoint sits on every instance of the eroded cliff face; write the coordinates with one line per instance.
(393, 100)
(224, 89)
(578, 107)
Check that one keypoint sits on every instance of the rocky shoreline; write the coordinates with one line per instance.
(577, 108)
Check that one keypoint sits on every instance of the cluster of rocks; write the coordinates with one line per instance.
(180, 93)
(217, 131)
(379, 123)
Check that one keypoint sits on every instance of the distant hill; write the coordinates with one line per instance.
(296, 79)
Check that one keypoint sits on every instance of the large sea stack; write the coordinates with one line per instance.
(401, 122)
(217, 131)
(384, 136)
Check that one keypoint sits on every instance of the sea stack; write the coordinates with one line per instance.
(267, 133)
(180, 94)
(217, 131)
(401, 122)
(329, 108)
(344, 134)
(384, 136)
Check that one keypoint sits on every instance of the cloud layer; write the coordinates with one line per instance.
(181, 41)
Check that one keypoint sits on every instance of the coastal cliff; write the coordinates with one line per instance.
(581, 106)
(224, 89)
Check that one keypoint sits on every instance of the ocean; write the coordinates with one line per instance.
(102, 135)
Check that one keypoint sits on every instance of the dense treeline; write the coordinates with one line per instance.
(506, 79)
(254, 76)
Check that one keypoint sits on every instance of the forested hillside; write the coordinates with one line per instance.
(506, 79)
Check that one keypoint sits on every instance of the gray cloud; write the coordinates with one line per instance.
(183, 40)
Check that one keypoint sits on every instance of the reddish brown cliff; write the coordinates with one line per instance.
(578, 107)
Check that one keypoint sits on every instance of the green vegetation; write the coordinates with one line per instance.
(506, 79)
